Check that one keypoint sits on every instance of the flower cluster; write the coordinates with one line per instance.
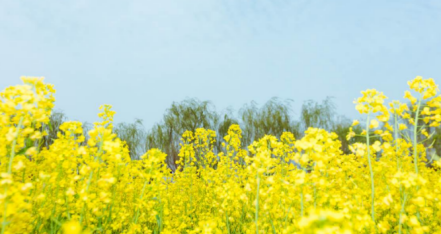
(278, 184)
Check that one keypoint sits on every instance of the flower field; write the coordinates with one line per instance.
(278, 184)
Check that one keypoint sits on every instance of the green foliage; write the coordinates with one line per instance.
(189, 114)
(52, 128)
(134, 135)
(340, 126)
(433, 143)
(318, 115)
(435, 152)
(224, 122)
(274, 118)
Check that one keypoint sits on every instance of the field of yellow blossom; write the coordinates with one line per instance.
(388, 184)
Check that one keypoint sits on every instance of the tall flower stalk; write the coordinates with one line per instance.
(370, 169)
(371, 103)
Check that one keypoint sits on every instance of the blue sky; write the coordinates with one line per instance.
(140, 56)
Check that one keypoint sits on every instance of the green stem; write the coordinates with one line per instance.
(142, 193)
(11, 159)
(228, 222)
(415, 140)
(301, 201)
(87, 190)
(401, 213)
(396, 129)
(140, 198)
(370, 168)
(257, 202)
(315, 196)
(14, 143)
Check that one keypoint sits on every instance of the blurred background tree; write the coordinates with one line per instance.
(134, 135)
(56, 119)
(273, 117)
(189, 114)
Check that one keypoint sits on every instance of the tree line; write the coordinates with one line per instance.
(274, 117)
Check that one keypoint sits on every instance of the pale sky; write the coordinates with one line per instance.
(140, 56)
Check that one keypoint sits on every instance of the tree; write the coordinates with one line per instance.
(134, 135)
(274, 118)
(53, 127)
(189, 114)
(318, 115)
